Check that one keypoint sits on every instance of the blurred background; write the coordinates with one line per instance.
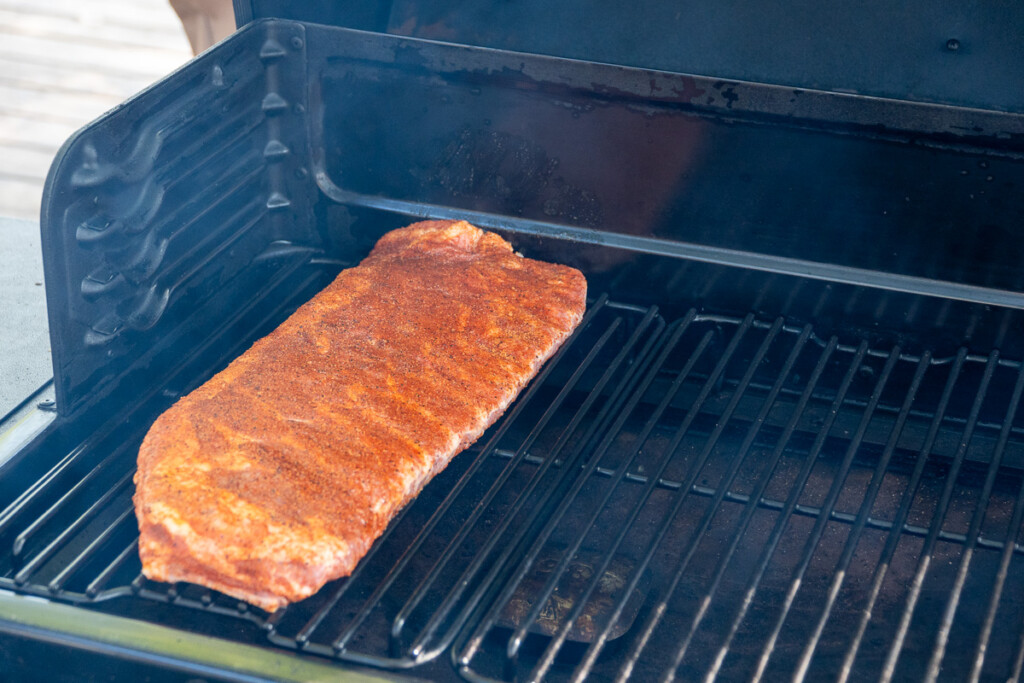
(62, 64)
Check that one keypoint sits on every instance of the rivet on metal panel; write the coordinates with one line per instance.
(275, 150)
(272, 50)
(274, 103)
(297, 42)
(952, 44)
(277, 201)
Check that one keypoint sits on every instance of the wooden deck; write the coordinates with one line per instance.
(62, 64)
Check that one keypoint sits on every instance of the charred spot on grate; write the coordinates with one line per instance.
(583, 579)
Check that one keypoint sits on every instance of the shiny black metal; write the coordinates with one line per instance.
(932, 51)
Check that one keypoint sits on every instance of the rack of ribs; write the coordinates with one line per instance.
(278, 474)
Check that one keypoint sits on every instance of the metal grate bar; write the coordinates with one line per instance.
(41, 520)
(57, 583)
(72, 529)
(97, 584)
(728, 478)
(751, 507)
(937, 520)
(1004, 563)
(474, 641)
(811, 511)
(942, 639)
(870, 496)
(22, 501)
(881, 569)
(21, 505)
(536, 480)
(695, 469)
(838, 483)
(783, 520)
(1018, 663)
(340, 641)
(139, 582)
(540, 670)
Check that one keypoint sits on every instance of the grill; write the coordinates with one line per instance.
(774, 448)
(742, 479)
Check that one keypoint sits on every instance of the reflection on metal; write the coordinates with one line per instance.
(27, 421)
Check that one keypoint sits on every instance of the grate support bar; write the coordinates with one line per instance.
(939, 516)
(474, 641)
(547, 660)
(742, 526)
(744, 450)
(870, 496)
(695, 469)
(819, 527)
(783, 520)
(881, 569)
(942, 638)
(997, 589)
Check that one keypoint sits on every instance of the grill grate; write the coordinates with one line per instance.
(714, 496)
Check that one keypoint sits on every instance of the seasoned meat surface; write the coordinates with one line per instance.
(278, 474)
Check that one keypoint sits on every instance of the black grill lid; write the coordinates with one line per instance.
(944, 52)
(231, 163)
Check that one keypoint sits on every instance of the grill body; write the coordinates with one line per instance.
(786, 440)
